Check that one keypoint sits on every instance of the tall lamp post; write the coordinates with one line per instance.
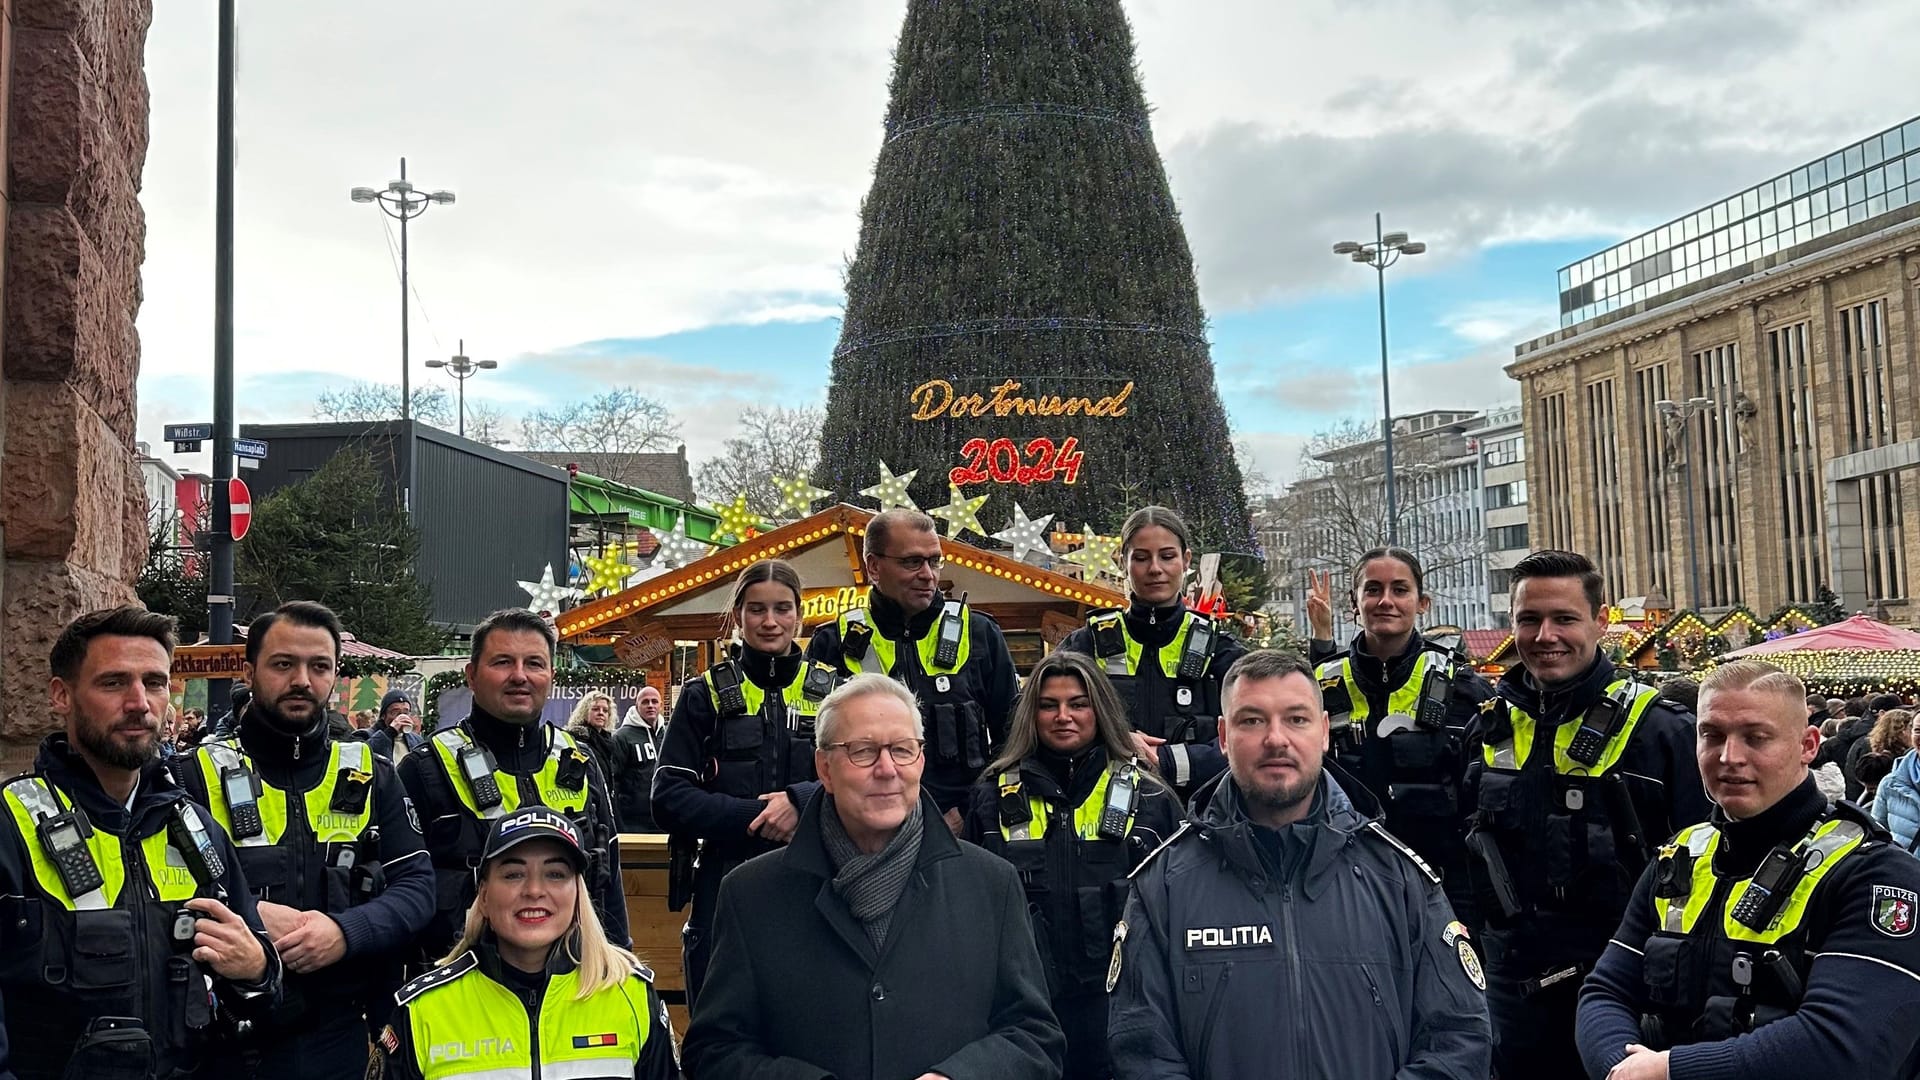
(401, 201)
(463, 369)
(1386, 249)
(1679, 416)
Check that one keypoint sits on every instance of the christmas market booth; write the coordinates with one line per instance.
(1036, 608)
(367, 672)
(1848, 658)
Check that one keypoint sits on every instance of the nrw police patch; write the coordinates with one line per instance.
(1894, 910)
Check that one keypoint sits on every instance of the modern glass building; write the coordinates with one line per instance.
(1869, 178)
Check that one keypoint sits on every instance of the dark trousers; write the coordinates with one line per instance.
(1533, 1033)
(1083, 1016)
(332, 1049)
(696, 938)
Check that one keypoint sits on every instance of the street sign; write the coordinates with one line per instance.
(186, 446)
(248, 463)
(189, 432)
(250, 448)
(241, 502)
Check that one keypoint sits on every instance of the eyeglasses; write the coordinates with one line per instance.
(913, 564)
(865, 754)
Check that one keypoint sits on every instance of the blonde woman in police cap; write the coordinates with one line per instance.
(533, 988)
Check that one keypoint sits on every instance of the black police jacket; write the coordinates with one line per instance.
(60, 969)
(986, 687)
(637, 749)
(1859, 1012)
(380, 891)
(455, 837)
(1326, 949)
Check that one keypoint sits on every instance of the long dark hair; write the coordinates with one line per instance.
(1110, 727)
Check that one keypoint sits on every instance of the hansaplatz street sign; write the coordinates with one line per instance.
(250, 448)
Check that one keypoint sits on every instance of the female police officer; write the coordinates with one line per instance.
(1068, 804)
(1399, 707)
(1164, 659)
(736, 764)
(533, 988)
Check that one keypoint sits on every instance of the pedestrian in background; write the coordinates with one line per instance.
(1896, 802)
(637, 745)
(591, 725)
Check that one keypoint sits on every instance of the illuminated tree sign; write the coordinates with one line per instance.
(1004, 460)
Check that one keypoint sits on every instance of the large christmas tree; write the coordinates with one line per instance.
(1022, 317)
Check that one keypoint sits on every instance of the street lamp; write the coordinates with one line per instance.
(463, 369)
(1386, 249)
(1679, 416)
(402, 201)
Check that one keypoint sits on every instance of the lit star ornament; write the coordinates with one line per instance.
(606, 573)
(1096, 553)
(891, 491)
(961, 514)
(677, 549)
(737, 521)
(797, 496)
(1025, 534)
(544, 595)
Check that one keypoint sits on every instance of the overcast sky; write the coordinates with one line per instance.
(664, 193)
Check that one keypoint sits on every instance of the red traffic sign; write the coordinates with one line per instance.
(240, 500)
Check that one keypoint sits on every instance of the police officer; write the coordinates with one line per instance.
(1165, 659)
(1071, 807)
(1283, 932)
(1775, 939)
(1576, 773)
(121, 903)
(533, 987)
(736, 764)
(637, 746)
(502, 757)
(951, 656)
(1400, 707)
(329, 843)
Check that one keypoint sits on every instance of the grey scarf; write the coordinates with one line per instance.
(871, 885)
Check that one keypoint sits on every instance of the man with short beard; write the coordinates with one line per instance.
(1283, 932)
(502, 757)
(119, 897)
(330, 845)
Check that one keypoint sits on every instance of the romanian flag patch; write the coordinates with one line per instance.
(389, 1041)
(582, 1042)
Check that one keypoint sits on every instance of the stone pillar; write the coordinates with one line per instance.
(72, 512)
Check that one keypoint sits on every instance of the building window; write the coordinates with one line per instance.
(1556, 502)
(1659, 456)
(1501, 496)
(1603, 480)
(1797, 446)
(1714, 517)
(1862, 337)
(1507, 538)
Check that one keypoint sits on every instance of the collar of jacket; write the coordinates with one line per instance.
(768, 672)
(808, 850)
(1063, 778)
(559, 956)
(1375, 675)
(1745, 842)
(1154, 625)
(65, 769)
(1555, 705)
(517, 748)
(891, 622)
(1222, 821)
(278, 750)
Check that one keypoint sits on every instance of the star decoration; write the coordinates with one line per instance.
(797, 496)
(1096, 553)
(891, 491)
(606, 573)
(737, 521)
(544, 595)
(961, 514)
(1025, 534)
(677, 549)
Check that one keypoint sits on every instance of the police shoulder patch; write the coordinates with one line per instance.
(1400, 845)
(641, 969)
(389, 1040)
(439, 976)
(1894, 910)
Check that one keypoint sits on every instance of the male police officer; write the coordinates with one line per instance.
(1283, 933)
(952, 657)
(501, 757)
(121, 904)
(1576, 772)
(329, 843)
(1774, 940)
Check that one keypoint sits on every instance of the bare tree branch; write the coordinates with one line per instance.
(366, 402)
(602, 429)
(772, 442)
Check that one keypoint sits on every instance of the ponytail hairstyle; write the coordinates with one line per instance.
(778, 571)
(1156, 515)
(600, 964)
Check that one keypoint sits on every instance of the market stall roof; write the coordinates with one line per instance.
(825, 549)
(1856, 633)
(595, 496)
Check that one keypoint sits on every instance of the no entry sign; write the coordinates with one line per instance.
(241, 501)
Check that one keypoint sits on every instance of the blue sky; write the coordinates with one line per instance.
(666, 195)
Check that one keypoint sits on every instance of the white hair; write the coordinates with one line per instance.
(868, 684)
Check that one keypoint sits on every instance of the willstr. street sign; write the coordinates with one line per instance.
(241, 502)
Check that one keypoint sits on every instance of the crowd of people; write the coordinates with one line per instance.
(1158, 855)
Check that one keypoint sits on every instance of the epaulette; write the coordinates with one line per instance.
(1164, 845)
(1401, 846)
(439, 976)
(641, 969)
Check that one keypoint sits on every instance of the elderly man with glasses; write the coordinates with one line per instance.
(952, 657)
(871, 945)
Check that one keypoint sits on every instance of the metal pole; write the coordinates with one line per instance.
(406, 394)
(220, 527)
(1386, 394)
(462, 377)
(1693, 536)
